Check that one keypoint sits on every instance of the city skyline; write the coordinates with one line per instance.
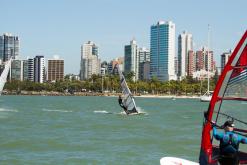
(46, 28)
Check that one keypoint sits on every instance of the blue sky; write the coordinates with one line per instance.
(60, 27)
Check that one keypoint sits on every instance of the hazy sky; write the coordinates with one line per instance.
(60, 27)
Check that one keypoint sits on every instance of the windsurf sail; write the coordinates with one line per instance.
(3, 77)
(127, 100)
(226, 104)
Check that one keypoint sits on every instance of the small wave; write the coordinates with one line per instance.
(7, 110)
(101, 112)
(186, 117)
(55, 110)
(141, 111)
(121, 113)
(132, 114)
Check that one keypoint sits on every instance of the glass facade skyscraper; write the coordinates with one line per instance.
(9, 47)
(162, 51)
(19, 70)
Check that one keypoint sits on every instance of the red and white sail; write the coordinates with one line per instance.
(228, 102)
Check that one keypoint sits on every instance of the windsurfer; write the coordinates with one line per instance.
(120, 102)
(229, 144)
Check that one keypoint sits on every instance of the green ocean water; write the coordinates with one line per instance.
(91, 130)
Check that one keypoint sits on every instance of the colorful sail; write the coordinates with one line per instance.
(228, 103)
(3, 77)
(127, 97)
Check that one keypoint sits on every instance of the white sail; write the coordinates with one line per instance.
(3, 77)
(127, 98)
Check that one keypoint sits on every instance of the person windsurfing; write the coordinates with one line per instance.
(120, 102)
(229, 144)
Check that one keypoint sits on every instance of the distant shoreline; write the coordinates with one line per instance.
(52, 93)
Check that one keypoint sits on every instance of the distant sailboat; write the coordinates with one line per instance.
(127, 100)
(3, 77)
(208, 95)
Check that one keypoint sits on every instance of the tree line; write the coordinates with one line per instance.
(111, 83)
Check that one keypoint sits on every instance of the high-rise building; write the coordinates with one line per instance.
(185, 44)
(131, 59)
(176, 65)
(224, 59)
(162, 51)
(90, 63)
(203, 59)
(200, 63)
(39, 69)
(30, 66)
(144, 63)
(9, 47)
(55, 70)
(25, 70)
(112, 65)
(144, 54)
(191, 63)
(145, 70)
(18, 70)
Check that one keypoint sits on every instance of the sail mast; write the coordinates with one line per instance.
(208, 56)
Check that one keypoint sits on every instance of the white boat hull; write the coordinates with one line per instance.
(205, 98)
(176, 161)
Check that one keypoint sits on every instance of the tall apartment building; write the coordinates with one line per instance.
(144, 54)
(9, 47)
(191, 63)
(55, 70)
(90, 63)
(176, 65)
(25, 70)
(144, 63)
(185, 44)
(19, 70)
(203, 59)
(39, 69)
(162, 51)
(224, 59)
(131, 59)
(30, 66)
(198, 63)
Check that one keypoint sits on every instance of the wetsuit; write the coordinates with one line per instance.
(229, 144)
(120, 102)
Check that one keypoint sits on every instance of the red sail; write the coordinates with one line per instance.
(233, 77)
